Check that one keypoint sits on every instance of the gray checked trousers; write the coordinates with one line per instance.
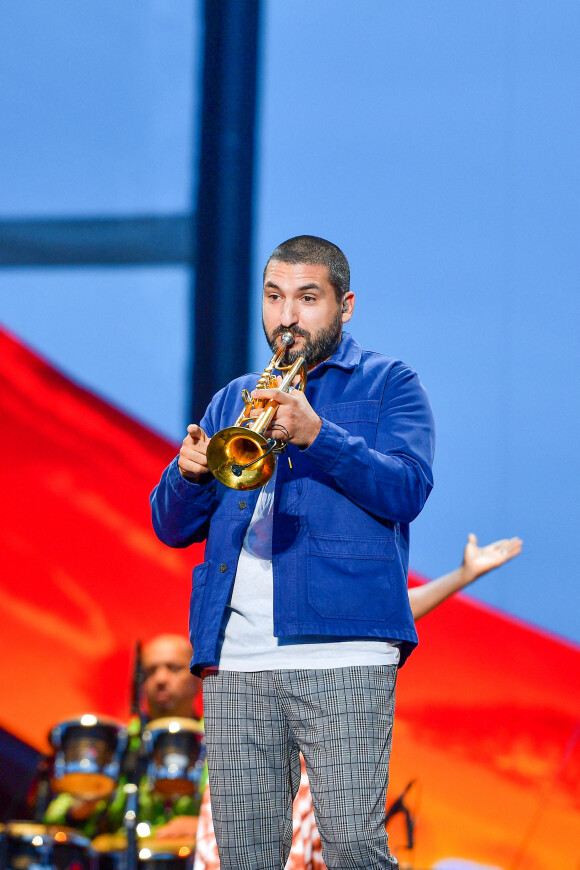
(256, 724)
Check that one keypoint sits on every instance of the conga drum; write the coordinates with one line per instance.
(152, 854)
(29, 846)
(175, 750)
(88, 753)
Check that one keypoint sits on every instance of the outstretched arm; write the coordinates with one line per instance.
(476, 561)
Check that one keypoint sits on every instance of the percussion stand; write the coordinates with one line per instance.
(130, 820)
(43, 792)
(131, 789)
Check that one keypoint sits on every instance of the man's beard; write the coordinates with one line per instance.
(315, 349)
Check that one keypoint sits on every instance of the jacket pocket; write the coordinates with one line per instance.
(197, 590)
(364, 411)
(350, 577)
(358, 418)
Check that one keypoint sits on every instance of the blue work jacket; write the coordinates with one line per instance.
(340, 546)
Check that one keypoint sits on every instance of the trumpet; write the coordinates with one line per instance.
(240, 456)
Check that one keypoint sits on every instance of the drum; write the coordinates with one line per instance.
(175, 750)
(152, 854)
(28, 846)
(88, 753)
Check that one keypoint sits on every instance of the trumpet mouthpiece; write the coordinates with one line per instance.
(287, 339)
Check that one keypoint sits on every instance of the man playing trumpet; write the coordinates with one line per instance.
(300, 615)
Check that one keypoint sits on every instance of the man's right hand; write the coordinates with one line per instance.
(192, 462)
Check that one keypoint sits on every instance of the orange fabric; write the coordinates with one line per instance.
(488, 725)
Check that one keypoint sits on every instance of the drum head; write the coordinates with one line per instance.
(86, 786)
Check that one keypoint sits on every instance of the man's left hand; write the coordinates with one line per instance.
(179, 828)
(479, 560)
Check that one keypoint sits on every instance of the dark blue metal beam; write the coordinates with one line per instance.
(225, 188)
(104, 241)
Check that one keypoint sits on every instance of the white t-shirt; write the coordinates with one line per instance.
(248, 630)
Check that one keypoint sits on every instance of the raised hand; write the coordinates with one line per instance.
(476, 561)
(192, 462)
(479, 560)
(179, 828)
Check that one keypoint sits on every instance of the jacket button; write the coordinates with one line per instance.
(242, 505)
(223, 568)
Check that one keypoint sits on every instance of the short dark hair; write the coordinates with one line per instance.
(316, 252)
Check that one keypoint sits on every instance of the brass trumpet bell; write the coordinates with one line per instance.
(240, 458)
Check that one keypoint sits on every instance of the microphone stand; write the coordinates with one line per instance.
(398, 806)
(43, 790)
(131, 789)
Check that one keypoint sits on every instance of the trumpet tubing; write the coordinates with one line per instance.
(239, 456)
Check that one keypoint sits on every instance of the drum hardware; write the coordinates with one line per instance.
(43, 788)
(130, 823)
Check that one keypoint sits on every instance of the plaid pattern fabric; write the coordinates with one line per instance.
(306, 849)
(257, 722)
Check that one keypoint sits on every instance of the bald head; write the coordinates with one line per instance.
(169, 686)
(179, 644)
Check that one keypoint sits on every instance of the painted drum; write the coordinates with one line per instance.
(88, 752)
(175, 750)
(152, 854)
(30, 846)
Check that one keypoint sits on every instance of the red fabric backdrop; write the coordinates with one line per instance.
(84, 576)
(487, 710)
